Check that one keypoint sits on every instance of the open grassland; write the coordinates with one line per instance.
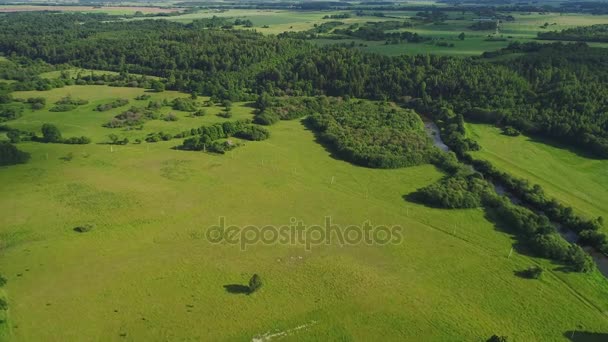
(146, 271)
(573, 179)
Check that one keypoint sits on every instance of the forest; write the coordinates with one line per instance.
(556, 90)
(593, 33)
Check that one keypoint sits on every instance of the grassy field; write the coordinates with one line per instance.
(573, 179)
(146, 272)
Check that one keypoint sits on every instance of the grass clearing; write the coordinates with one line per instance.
(146, 272)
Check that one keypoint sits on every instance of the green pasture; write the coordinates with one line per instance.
(147, 272)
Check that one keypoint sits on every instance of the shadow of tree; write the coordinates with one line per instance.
(237, 289)
(584, 336)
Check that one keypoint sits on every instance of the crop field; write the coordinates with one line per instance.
(571, 177)
(147, 272)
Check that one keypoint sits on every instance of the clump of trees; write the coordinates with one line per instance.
(10, 154)
(143, 97)
(454, 192)
(532, 272)
(210, 138)
(36, 103)
(135, 116)
(52, 134)
(253, 133)
(3, 304)
(114, 104)
(184, 104)
(67, 103)
(170, 117)
(373, 134)
(510, 131)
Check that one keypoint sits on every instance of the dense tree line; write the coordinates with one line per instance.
(593, 33)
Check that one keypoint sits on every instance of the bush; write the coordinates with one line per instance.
(171, 117)
(14, 136)
(533, 272)
(3, 305)
(3, 281)
(84, 228)
(184, 104)
(496, 338)
(226, 114)
(510, 131)
(111, 105)
(200, 112)
(254, 133)
(62, 108)
(143, 97)
(255, 283)
(77, 140)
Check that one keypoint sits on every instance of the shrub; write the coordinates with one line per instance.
(510, 131)
(62, 108)
(3, 305)
(84, 228)
(36, 102)
(254, 133)
(496, 338)
(13, 136)
(227, 114)
(111, 105)
(533, 272)
(200, 112)
(77, 140)
(3, 281)
(143, 97)
(184, 104)
(171, 117)
(255, 283)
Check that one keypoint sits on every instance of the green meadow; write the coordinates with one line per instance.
(147, 272)
(572, 178)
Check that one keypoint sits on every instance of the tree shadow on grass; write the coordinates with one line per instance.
(237, 289)
(562, 146)
(584, 336)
